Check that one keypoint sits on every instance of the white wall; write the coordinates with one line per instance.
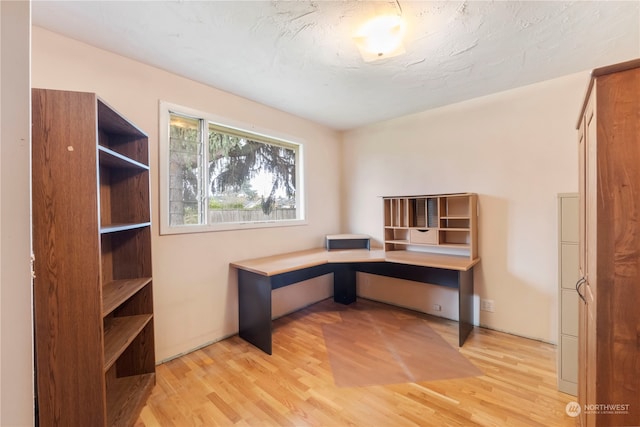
(16, 339)
(517, 150)
(195, 291)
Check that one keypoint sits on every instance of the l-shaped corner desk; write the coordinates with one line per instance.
(258, 277)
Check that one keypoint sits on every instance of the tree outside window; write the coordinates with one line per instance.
(222, 175)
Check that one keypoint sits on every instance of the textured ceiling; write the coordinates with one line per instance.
(299, 56)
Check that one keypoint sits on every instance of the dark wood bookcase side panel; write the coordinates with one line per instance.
(65, 207)
(117, 188)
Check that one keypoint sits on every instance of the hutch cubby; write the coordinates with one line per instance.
(432, 223)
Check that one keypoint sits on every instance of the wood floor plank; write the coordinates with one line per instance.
(232, 383)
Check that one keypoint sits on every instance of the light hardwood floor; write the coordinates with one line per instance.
(233, 383)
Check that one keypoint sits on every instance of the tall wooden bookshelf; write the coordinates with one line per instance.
(93, 297)
(437, 222)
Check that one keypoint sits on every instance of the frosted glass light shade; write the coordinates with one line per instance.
(380, 37)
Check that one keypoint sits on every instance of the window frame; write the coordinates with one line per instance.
(267, 136)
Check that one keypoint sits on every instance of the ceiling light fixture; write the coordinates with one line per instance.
(381, 37)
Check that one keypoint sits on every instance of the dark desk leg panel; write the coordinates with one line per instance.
(254, 306)
(296, 276)
(416, 273)
(461, 280)
(344, 284)
(465, 305)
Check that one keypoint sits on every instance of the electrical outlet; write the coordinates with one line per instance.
(487, 305)
(436, 307)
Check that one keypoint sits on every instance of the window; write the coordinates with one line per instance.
(218, 176)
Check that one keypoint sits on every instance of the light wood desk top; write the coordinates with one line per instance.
(282, 263)
(424, 259)
(292, 261)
